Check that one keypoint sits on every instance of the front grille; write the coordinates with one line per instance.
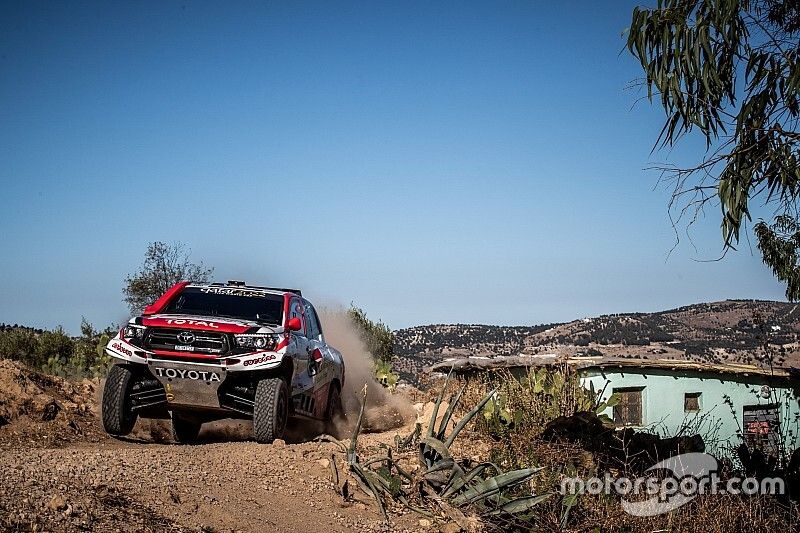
(206, 342)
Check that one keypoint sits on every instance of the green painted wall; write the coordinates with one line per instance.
(717, 421)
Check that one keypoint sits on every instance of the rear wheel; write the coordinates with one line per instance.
(271, 410)
(118, 418)
(185, 430)
(334, 412)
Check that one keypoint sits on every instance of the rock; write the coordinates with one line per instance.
(424, 418)
(450, 527)
(424, 522)
(279, 443)
(46, 406)
(57, 503)
(631, 449)
(324, 463)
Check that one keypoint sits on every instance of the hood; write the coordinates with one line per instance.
(207, 323)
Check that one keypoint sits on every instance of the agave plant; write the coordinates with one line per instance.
(455, 488)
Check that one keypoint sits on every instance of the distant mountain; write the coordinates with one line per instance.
(728, 331)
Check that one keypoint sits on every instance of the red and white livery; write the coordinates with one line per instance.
(203, 352)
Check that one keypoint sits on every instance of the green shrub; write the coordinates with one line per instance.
(55, 352)
(19, 344)
(376, 335)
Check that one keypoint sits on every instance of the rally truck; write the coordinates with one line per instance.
(205, 352)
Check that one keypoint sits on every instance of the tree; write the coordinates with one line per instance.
(164, 266)
(729, 70)
(376, 335)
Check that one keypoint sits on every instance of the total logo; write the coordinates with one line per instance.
(180, 373)
(182, 322)
(259, 360)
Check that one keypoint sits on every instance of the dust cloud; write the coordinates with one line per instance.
(384, 410)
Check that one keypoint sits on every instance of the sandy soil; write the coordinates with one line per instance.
(60, 472)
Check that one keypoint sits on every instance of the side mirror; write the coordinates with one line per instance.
(294, 324)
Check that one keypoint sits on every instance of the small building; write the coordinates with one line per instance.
(724, 403)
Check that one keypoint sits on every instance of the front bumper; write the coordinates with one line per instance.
(163, 386)
(189, 384)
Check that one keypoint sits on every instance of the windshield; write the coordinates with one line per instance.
(228, 302)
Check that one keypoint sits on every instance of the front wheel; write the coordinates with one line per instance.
(271, 410)
(118, 417)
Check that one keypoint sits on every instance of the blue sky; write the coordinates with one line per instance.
(455, 162)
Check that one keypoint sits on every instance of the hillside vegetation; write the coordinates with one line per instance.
(727, 331)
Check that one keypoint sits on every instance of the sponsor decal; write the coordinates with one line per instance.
(183, 321)
(181, 373)
(120, 348)
(234, 292)
(201, 323)
(259, 360)
(186, 337)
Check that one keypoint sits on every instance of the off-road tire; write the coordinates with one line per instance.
(334, 410)
(118, 419)
(271, 410)
(185, 430)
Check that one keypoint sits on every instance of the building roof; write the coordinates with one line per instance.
(477, 363)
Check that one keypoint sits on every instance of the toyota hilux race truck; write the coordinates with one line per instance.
(204, 352)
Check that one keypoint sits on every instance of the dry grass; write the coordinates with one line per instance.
(520, 446)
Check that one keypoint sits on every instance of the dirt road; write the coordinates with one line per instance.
(60, 472)
(113, 485)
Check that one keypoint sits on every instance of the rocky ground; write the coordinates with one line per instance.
(61, 473)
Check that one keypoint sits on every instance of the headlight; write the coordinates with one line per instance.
(257, 341)
(133, 332)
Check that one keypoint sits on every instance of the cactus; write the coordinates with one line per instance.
(384, 374)
(441, 479)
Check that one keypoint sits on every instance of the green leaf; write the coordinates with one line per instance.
(520, 505)
(432, 424)
(371, 478)
(457, 483)
(465, 420)
(428, 444)
(494, 485)
(449, 412)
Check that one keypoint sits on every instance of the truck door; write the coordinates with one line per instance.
(302, 382)
(319, 362)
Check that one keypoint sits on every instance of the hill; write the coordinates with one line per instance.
(742, 331)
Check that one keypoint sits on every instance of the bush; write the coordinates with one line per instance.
(19, 344)
(376, 335)
(55, 352)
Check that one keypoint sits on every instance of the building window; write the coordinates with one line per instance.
(761, 424)
(628, 412)
(691, 402)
